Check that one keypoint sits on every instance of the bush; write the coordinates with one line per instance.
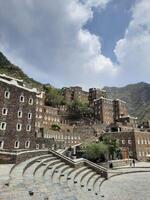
(55, 127)
(96, 151)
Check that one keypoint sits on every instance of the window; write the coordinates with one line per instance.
(19, 114)
(22, 98)
(7, 94)
(16, 145)
(4, 111)
(140, 153)
(30, 101)
(29, 115)
(129, 142)
(138, 141)
(27, 144)
(28, 128)
(18, 127)
(1, 144)
(141, 141)
(37, 146)
(123, 141)
(43, 146)
(3, 126)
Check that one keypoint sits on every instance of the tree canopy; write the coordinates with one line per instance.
(96, 151)
(53, 96)
(78, 109)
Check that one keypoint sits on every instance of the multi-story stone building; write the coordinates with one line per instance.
(103, 110)
(133, 144)
(120, 109)
(75, 93)
(40, 102)
(95, 93)
(17, 114)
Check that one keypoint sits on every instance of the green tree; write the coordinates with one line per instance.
(113, 146)
(55, 127)
(53, 96)
(96, 151)
(78, 109)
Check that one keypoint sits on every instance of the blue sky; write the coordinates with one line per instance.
(91, 43)
(110, 24)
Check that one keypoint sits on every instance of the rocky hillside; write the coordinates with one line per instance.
(136, 95)
(6, 67)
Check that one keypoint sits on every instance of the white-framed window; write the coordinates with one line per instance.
(1, 144)
(16, 145)
(28, 127)
(3, 126)
(18, 127)
(123, 141)
(37, 146)
(138, 141)
(43, 146)
(143, 153)
(29, 115)
(129, 142)
(140, 154)
(4, 111)
(22, 98)
(27, 144)
(30, 101)
(145, 141)
(7, 94)
(142, 141)
(19, 114)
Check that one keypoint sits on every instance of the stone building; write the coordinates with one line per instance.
(17, 114)
(40, 102)
(103, 110)
(120, 109)
(73, 93)
(95, 93)
(133, 144)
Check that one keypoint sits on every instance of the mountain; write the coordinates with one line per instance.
(136, 95)
(6, 67)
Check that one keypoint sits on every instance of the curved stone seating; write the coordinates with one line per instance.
(53, 177)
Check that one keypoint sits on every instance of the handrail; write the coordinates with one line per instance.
(76, 163)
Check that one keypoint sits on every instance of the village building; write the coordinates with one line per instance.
(17, 114)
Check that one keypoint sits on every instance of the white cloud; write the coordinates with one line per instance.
(48, 40)
(132, 51)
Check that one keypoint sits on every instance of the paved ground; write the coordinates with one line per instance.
(129, 185)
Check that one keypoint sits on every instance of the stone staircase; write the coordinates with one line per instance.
(53, 177)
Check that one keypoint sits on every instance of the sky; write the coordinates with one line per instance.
(91, 43)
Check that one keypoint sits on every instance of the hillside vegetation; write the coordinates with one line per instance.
(136, 95)
(6, 67)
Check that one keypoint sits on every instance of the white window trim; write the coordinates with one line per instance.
(20, 111)
(2, 144)
(27, 144)
(31, 99)
(30, 114)
(22, 101)
(3, 111)
(17, 127)
(28, 125)
(16, 147)
(7, 95)
(37, 146)
(5, 124)
(123, 141)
